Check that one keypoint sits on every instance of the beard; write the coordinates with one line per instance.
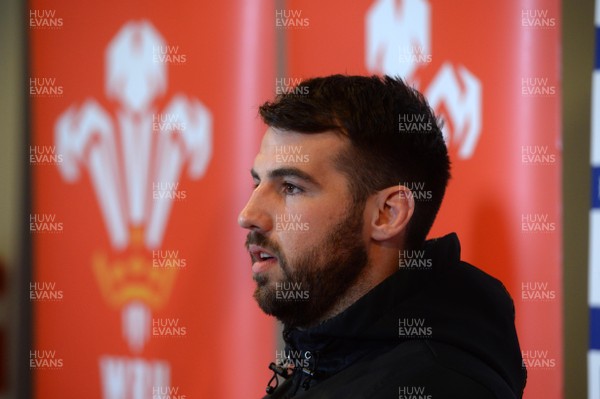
(313, 282)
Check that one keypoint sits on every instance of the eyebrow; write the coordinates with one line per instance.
(287, 172)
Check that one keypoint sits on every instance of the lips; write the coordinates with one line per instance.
(262, 259)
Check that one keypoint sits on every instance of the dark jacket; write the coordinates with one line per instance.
(436, 329)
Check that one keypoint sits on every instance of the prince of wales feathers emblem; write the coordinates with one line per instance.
(124, 181)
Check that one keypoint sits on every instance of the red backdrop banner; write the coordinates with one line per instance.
(142, 115)
(491, 70)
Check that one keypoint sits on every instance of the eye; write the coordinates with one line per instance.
(255, 184)
(291, 189)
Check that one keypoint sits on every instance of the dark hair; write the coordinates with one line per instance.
(395, 137)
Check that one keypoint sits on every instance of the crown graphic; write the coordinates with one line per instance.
(134, 156)
(133, 277)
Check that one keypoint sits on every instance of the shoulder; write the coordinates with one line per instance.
(418, 369)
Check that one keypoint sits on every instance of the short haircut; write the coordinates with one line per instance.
(394, 137)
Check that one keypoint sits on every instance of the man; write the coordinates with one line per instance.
(350, 175)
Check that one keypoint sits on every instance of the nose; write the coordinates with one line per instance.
(255, 216)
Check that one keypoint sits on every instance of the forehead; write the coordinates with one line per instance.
(306, 151)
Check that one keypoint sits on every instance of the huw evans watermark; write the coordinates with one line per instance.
(45, 291)
(416, 191)
(414, 55)
(45, 360)
(291, 19)
(415, 123)
(290, 291)
(290, 222)
(290, 86)
(413, 392)
(167, 122)
(45, 223)
(45, 87)
(44, 155)
(166, 54)
(167, 392)
(414, 259)
(537, 155)
(537, 87)
(414, 327)
(537, 291)
(45, 19)
(168, 327)
(167, 190)
(537, 18)
(538, 359)
(168, 259)
(292, 358)
(537, 223)
(291, 154)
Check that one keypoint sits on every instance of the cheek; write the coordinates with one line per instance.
(295, 242)
(302, 234)
(308, 226)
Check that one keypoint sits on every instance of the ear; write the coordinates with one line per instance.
(394, 207)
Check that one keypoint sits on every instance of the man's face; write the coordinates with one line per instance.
(306, 235)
